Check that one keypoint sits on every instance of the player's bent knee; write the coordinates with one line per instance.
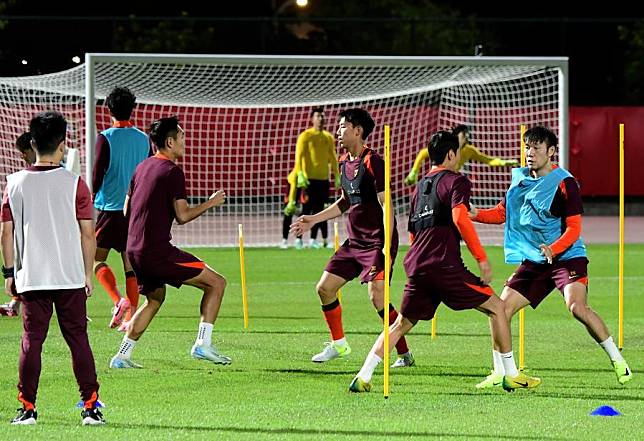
(220, 282)
(156, 298)
(578, 310)
(493, 306)
(402, 325)
(324, 291)
(209, 279)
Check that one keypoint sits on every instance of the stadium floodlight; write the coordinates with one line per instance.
(287, 3)
(242, 116)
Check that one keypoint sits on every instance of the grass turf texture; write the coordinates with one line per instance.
(273, 391)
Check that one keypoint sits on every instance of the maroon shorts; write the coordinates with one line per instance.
(350, 262)
(457, 288)
(111, 230)
(172, 267)
(535, 281)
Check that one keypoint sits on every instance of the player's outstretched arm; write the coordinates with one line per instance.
(498, 162)
(305, 223)
(412, 177)
(184, 213)
(494, 215)
(471, 239)
(476, 155)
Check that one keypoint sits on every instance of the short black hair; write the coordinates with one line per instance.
(121, 102)
(316, 110)
(539, 134)
(162, 129)
(48, 130)
(23, 143)
(440, 144)
(461, 128)
(359, 117)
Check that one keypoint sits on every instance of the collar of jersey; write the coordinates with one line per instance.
(122, 124)
(160, 155)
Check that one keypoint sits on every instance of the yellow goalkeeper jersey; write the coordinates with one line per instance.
(468, 153)
(314, 152)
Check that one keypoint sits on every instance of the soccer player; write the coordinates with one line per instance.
(48, 247)
(23, 145)
(119, 150)
(314, 154)
(542, 214)
(434, 267)
(157, 196)
(361, 255)
(467, 153)
(27, 154)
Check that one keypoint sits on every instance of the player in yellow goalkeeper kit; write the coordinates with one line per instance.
(314, 154)
(467, 153)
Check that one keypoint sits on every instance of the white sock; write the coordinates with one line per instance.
(498, 362)
(509, 365)
(204, 335)
(611, 349)
(340, 342)
(125, 350)
(370, 365)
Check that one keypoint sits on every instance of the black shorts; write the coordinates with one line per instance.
(535, 281)
(459, 289)
(350, 262)
(173, 267)
(111, 230)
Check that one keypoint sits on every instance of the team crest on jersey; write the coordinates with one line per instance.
(355, 173)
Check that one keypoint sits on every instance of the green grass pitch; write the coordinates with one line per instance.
(273, 391)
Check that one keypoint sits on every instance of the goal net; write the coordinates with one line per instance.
(243, 114)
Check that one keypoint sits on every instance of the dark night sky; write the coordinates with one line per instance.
(596, 56)
(220, 8)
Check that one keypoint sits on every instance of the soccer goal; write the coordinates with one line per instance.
(242, 116)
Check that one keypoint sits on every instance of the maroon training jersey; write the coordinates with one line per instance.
(365, 226)
(439, 246)
(567, 201)
(84, 207)
(157, 182)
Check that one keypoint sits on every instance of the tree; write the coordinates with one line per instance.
(165, 36)
(419, 27)
(4, 5)
(633, 38)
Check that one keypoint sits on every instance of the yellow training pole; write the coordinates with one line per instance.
(434, 326)
(620, 339)
(387, 257)
(336, 245)
(243, 276)
(522, 311)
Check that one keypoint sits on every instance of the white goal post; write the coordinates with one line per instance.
(242, 116)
